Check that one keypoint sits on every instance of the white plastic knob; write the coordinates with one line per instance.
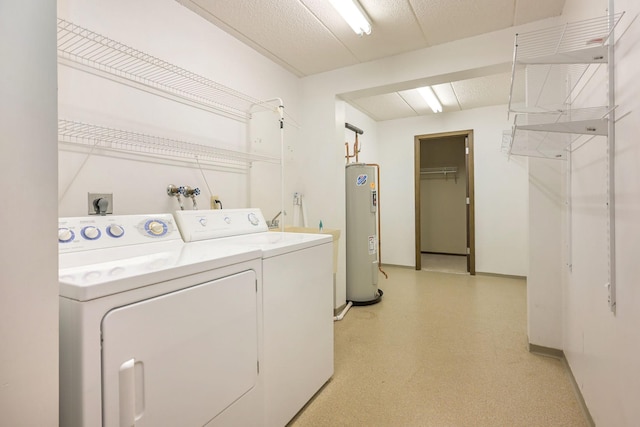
(203, 222)
(91, 232)
(156, 228)
(115, 230)
(64, 234)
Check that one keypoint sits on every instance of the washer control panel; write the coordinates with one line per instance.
(99, 232)
(215, 223)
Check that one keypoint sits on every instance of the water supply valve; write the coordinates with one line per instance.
(192, 193)
(176, 192)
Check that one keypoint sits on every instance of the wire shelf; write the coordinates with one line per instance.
(78, 46)
(94, 136)
(560, 53)
(565, 41)
(550, 135)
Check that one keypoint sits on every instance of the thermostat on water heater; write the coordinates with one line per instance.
(374, 200)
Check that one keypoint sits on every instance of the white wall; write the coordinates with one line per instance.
(602, 347)
(28, 167)
(546, 263)
(500, 189)
(171, 32)
(500, 220)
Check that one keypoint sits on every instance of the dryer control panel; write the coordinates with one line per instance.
(100, 232)
(216, 223)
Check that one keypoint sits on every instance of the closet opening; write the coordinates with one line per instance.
(444, 202)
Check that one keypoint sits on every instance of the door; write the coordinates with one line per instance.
(444, 169)
(181, 358)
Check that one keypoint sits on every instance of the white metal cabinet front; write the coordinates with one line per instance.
(298, 329)
(180, 359)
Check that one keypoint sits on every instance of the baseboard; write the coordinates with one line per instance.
(411, 267)
(559, 354)
(506, 276)
(546, 351)
(441, 253)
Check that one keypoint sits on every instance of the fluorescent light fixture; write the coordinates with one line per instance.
(431, 98)
(351, 12)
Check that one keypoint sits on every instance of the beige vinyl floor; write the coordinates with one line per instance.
(442, 350)
(444, 263)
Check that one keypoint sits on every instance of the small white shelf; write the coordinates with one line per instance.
(92, 137)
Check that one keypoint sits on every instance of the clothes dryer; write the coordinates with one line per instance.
(153, 333)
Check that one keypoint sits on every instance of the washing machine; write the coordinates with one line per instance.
(297, 277)
(153, 333)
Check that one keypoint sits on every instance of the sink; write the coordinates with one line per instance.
(315, 230)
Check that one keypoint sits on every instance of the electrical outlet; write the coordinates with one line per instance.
(213, 204)
(93, 200)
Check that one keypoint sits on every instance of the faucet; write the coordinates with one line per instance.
(274, 221)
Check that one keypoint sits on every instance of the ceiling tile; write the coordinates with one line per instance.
(283, 29)
(385, 107)
(309, 37)
(416, 101)
(483, 91)
(446, 20)
(534, 10)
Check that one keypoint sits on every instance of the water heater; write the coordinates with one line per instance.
(361, 234)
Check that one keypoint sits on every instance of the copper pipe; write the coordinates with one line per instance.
(356, 145)
(356, 150)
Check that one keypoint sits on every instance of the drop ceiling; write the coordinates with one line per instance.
(309, 37)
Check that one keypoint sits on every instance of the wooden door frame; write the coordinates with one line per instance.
(471, 240)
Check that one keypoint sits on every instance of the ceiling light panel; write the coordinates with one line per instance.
(431, 98)
(353, 14)
(395, 29)
(447, 97)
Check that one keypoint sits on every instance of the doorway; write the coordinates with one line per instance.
(444, 197)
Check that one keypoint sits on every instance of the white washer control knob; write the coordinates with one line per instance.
(65, 235)
(90, 232)
(203, 222)
(115, 230)
(227, 220)
(156, 228)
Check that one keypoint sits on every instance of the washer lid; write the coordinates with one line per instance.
(274, 243)
(91, 281)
